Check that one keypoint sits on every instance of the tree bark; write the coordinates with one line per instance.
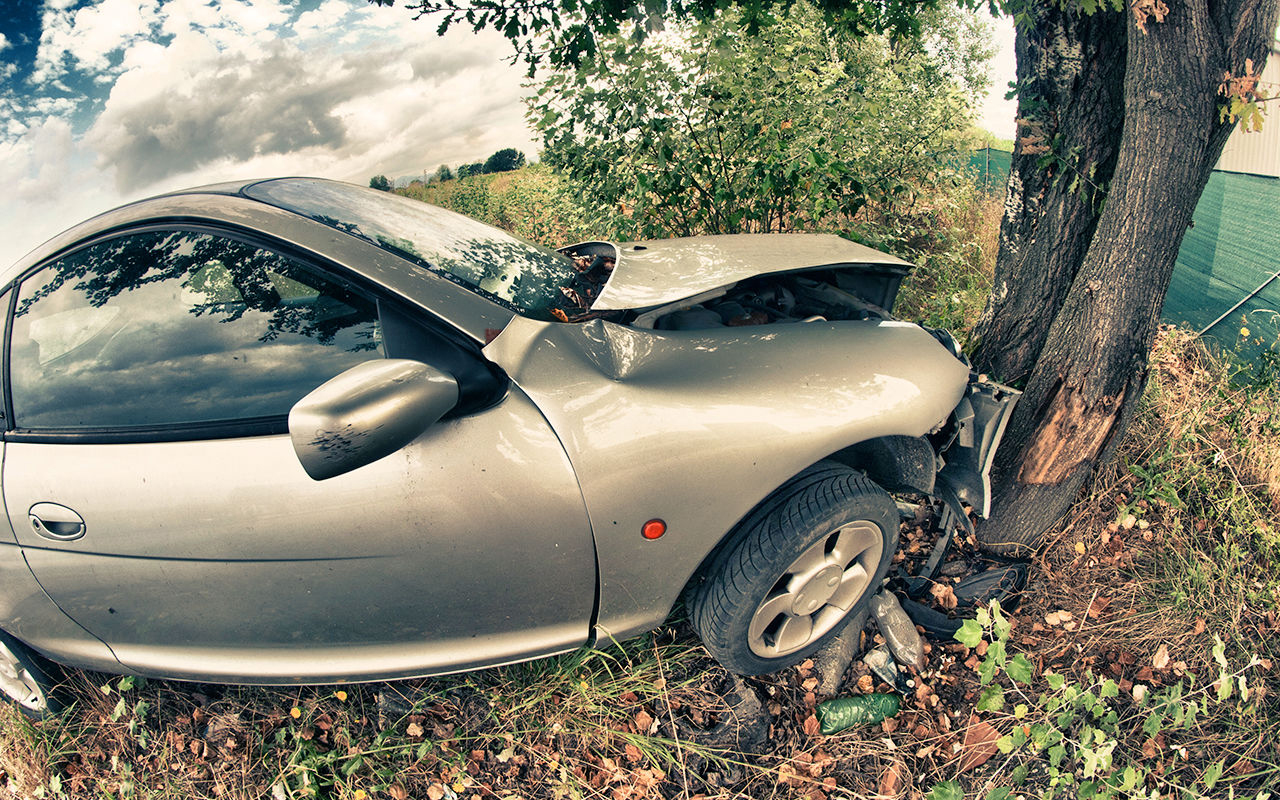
(1089, 376)
(1070, 116)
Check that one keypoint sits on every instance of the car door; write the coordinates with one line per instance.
(152, 485)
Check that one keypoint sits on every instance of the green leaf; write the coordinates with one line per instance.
(1219, 651)
(947, 790)
(1109, 689)
(1020, 669)
(970, 633)
(986, 670)
(1153, 724)
(999, 793)
(119, 710)
(992, 699)
(1056, 754)
(983, 618)
(1212, 774)
(125, 683)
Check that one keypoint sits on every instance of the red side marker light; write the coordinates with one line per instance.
(653, 529)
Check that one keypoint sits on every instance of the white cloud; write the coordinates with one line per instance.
(4, 42)
(203, 92)
(85, 38)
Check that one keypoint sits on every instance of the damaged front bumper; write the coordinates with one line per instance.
(979, 421)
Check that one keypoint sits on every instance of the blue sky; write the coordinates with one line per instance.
(106, 101)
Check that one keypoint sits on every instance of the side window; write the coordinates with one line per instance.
(170, 328)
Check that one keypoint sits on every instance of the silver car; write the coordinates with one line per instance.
(300, 431)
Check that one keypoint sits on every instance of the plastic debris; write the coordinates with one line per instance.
(885, 668)
(898, 629)
(842, 713)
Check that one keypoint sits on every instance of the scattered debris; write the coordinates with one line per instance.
(842, 713)
(898, 629)
(881, 662)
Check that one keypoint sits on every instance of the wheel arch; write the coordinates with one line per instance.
(895, 463)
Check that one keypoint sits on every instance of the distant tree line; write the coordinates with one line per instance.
(505, 160)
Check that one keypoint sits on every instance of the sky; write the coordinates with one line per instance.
(107, 101)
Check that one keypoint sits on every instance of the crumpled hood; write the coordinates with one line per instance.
(654, 273)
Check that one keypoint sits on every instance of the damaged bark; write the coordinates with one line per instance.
(1089, 375)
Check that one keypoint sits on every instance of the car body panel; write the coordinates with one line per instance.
(470, 546)
(657, 272)
(697, 427)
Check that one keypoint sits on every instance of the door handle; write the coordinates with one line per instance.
(53, 521)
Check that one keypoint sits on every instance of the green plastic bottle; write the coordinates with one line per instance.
(842, 713)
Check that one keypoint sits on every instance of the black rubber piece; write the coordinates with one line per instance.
(808, 507)
(1001, 582)
(934, 622)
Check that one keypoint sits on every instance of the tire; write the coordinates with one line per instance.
(27, 679)
(809, 558)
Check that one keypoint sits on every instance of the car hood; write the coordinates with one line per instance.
(657, 272)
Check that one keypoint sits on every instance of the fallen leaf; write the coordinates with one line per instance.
(866, 683)
(643, 721)
(811, 726)
(809, 684)
(979, 745)
(1098, 606)
(1199, 627)
(397, 791)
(1080, 548)
(1161, 659)
(435, 792)
(633, 753)
(890, 785)
(1056, 618)
(944, 595)
(414, 730)
(1149, 749)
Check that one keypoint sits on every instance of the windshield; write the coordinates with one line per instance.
(521, 275)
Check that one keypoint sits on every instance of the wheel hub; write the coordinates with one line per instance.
(817, 590)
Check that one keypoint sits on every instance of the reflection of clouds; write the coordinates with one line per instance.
(507, 268)
(154, 356)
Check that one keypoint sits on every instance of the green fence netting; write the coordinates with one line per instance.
(990, 168)
(1224, 282)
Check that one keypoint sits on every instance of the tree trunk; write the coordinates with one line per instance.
(1070, 116)
(1089, 376)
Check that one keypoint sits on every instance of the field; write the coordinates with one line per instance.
(1140, 662)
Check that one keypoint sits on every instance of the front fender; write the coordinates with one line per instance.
(697, 427)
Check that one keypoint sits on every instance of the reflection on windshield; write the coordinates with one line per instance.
(532, 280)
(179, 327)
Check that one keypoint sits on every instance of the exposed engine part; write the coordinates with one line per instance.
(794, 297)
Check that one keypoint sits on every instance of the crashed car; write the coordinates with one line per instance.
(295, 430)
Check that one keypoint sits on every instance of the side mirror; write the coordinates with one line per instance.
(367, 412)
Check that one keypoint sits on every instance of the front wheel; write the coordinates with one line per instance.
(809, 558)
